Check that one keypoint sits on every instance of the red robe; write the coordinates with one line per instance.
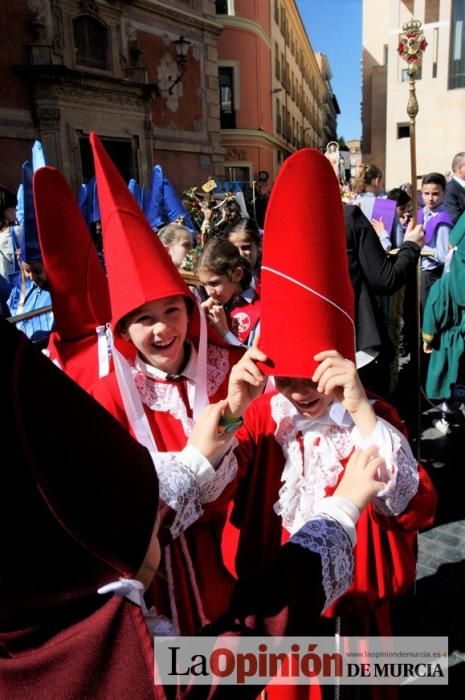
(77, 358)
(193, 586)
(385, 554)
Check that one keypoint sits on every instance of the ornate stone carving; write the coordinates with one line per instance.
(41, 20)
(236, 154)
(89, 7)
(57, 27)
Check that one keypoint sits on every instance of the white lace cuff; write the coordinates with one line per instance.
(326, 537)
(199, 465)
(179, 489)
(225, 473)
(344, 511)
(402, 467)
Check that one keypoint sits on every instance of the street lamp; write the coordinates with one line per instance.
(182, 47)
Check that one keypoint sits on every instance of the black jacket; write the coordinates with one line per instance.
(454, 200)
(373, 272)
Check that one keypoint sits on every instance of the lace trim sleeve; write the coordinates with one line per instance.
(326, 537)
(180, 490)
(402, 469)
(224, 474)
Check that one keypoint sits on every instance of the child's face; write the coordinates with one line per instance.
(303, 395)
(246, 246)
(180, 248)
(432, 195)
(35, 271)
(158, 330)
(221, 288)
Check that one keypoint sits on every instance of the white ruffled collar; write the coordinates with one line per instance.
(189, 371)
(312, 465)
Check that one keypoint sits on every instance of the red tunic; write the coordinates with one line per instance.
(385, 554)
(192, 586)
(77, 358)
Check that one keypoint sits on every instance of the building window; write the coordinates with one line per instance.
(237, 173)
(403, 130)
(431, 11)
(278, 117)
(227, 109)
(457, 46)
(276, 11)
(224, 7)
(91, 42)
(277, 65)
(409, 5)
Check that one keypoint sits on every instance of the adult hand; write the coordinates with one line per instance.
(378, 225)
(415, 234)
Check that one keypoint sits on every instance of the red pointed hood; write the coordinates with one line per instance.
(138, 266)
(76, 277)
(307, 298)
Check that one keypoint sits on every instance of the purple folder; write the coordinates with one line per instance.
(385, 208)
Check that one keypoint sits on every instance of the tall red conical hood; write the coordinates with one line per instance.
(139, 268)
(306, 294)
(77, 280)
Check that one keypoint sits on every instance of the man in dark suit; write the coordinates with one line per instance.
(374, 273)
(454, 200)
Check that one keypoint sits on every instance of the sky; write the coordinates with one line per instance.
(334, 27)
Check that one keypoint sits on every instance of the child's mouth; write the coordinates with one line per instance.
(163, 345)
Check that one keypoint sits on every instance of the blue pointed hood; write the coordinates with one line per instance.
(30, 246)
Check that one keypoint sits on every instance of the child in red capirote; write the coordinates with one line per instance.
(162, 381)
(295, 442)
(78, 341)
(81, 507)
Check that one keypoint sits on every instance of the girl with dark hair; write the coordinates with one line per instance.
(233, 305)
(245, 235)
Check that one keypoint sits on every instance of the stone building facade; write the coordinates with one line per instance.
(440, 87)
(275, 92)
(74, 66)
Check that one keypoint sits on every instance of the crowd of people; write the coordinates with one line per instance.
(216, 452)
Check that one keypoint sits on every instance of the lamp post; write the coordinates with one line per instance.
(182, 48)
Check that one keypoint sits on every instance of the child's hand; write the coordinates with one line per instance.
(216, 316)
(246, 382)
(363, 477)
(205, 435)
(338, 376)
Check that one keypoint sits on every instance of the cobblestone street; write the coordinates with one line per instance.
(437, 606)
